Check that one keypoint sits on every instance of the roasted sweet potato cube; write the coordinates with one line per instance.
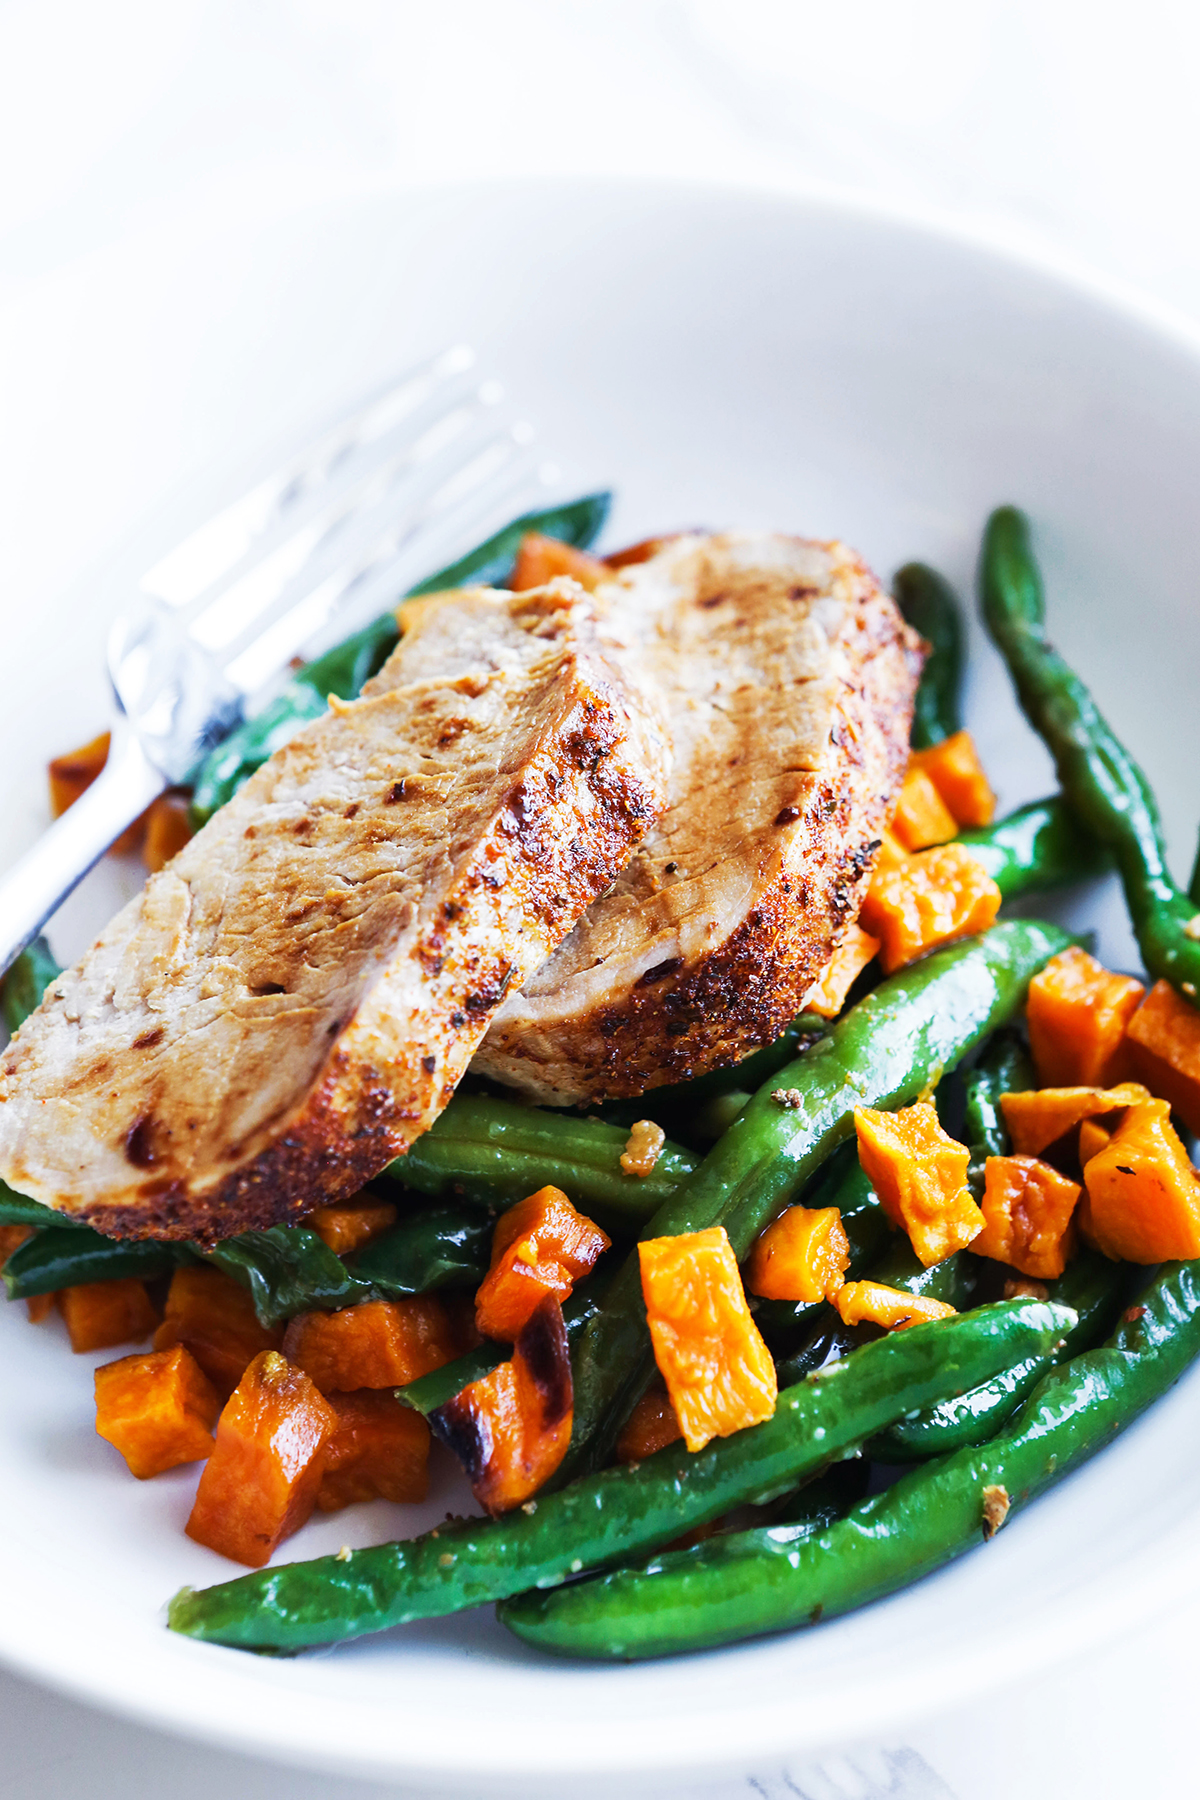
(540, 559)
(1028, 1210)
(920, 1176)
(651, 1426)
(379, 1451)
(100, 1314)
(804, 1256)
(540, 1246)
(213, 1316)
(379, 1344)
(1163, 1039)
(872, 1303)
(1077, 1013)
(72, 774)
(168, 828)
(710, 1353)
(260, 1483)
(926, 901)
(1143, 1195)
(348, 1227)
(956, 772)
(11, 1238)
(39, 1307)
(510, 1430)
(158, 1410)
(1038, 1117)
(922, 817)
(844, 967)
(1094, 1134)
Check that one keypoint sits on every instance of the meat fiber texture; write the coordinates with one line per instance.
(788, 679)
(292, 1000)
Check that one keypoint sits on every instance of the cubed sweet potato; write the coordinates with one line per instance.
(11, 1238)
(540, 559)
(1143, 1195)
(1028, 1209)
(213, 1316)
(540, 1246)
(956, 772)
(168, 828)
(1163, 1039)
(100, 1314)
(157, 1409)
(920, 1175)
(1077, 1013)
(803, 1256)
(922, 817)
(844, 967)
(379, 1450)
(260, 1483)
(719, 1373)
(928, 900)
(510, 1429)
(378, 1344)
(351, 1225)
(1038, 1117)
(651, 1426)
(872, 1303)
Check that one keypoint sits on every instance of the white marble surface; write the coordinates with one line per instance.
(130, 132)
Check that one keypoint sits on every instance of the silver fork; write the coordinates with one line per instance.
(337, 532)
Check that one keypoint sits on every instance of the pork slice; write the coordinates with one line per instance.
(292, 1000)
(789, 679)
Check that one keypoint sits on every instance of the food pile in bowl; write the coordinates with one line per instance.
(575, 1023)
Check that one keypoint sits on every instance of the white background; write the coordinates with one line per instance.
(133, 137)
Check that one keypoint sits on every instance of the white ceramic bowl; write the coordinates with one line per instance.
(720, 358)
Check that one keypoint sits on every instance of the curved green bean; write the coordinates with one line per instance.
(1039, 847)
(932, 607)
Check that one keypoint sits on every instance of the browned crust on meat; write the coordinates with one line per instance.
(584, 792)
(679, 1023)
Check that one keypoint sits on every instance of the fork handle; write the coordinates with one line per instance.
(63, 855)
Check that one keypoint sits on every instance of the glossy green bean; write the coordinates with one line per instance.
(1037, 848)
(932, 607)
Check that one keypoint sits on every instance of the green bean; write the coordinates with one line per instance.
(1099, 778)
(1038, 847)
(497, 1151)
(738, 1586)
(434, 1247)
(884, 1052)
(15, 1209)
(288, 1270)
(931, 607)
(57, 1258)
(620, 1511)
(343, 669)
(1005, 1067)
(28, 977)
(429, 1392)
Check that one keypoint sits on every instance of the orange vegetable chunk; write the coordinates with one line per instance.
(213, 1316)
(891, 852)
(1077, 1014)
(651, 1426)
(540, 1246)
(100, 1314)
(922, 817)
(804, 1255)
(157, 1409)
(1143, 1193)
(11, 1238)
(540, 559)
(39, 1307)
(351, 1225)
(379, 1450)
(378, 1344)
(920, 1176)
(168, 828)
(1041, 1116)
(1094, 1134)
(510, 1429)
(260, 1483)
(1163, 1039)
(956, 772)
(928, 900)
(871, 1303)
(844, 967)
(1028, 1210)
(71, 775)
(710, 1353)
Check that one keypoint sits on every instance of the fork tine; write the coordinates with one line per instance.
(210, 552)
(380, 574)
